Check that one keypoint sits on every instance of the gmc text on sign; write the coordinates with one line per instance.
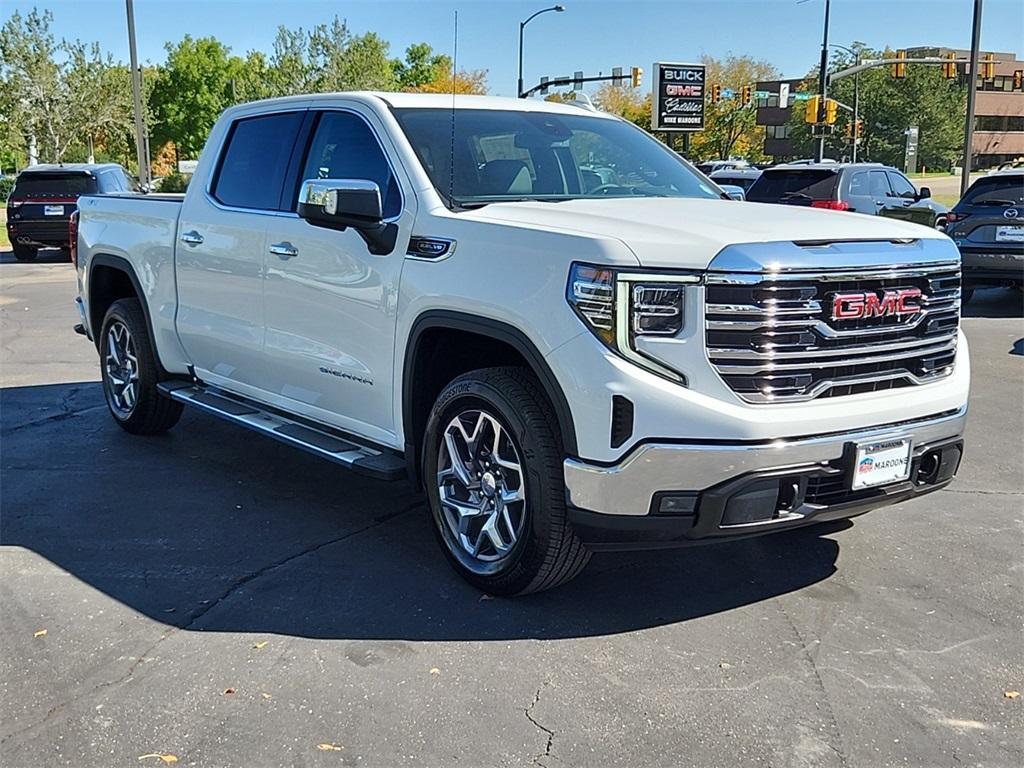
(678, 101)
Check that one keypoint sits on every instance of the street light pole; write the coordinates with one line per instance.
(856, 95)
(965, 173)
(141, 145)
(522, 25)
(823, 81)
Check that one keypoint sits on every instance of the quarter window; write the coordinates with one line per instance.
(344, 147)
(255, 161)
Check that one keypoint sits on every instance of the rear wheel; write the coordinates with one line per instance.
(130, 374)
(493, 476)
(25, 252)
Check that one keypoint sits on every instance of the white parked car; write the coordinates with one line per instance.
(565, 361)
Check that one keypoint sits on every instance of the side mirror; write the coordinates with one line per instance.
(343, 203)
(924, 193)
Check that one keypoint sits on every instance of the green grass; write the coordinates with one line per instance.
(947, 200)
(4, 242)
(928, 175)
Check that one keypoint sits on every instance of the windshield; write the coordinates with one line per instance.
(501, 155)
(810, 183)
(53, 185)
(996, 190)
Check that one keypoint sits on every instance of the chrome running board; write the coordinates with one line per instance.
(321, 441)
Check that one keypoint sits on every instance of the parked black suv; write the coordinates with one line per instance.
(987, 226)
(861, 187)
(45, 196)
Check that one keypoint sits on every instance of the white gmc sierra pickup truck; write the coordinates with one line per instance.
(538, 312)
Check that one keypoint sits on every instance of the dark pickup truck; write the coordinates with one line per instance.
(44, 197)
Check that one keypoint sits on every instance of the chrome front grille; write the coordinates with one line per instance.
(772, 337)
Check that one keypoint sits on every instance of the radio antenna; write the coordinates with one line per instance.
(451, 158)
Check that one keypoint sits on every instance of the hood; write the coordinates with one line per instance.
(685, 233)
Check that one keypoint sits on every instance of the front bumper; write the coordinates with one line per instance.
(742, 489)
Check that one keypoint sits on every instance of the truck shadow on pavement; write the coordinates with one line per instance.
(212, 528)
(995, 302)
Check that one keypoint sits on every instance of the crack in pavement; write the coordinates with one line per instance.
(66, 412)
(982, 493)
(840, 750)
(202, 611)
(550, 734)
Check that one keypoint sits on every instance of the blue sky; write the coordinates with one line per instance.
(592, 35)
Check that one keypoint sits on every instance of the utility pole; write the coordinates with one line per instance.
(965, 174)
(823, 81)
(141, 144)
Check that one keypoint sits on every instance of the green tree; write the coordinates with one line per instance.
(888, 107)
(730, 127)
(419, 67)
(191, 90)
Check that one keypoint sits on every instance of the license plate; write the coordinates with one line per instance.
(53, 210)
(1010, 234)
(881, 463)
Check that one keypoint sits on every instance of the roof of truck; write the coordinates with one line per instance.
(445, 101)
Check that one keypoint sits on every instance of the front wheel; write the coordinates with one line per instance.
(130, 374)
(493, 474)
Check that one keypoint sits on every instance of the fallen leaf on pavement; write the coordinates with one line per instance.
(166, 758)
(725, 665)
(266, 696)
(260, 645)
(328, 747)
(435, 671)
(39, 633)
(228, 691)
(1011, 694)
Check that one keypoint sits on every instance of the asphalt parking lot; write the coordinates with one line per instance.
(221, 598)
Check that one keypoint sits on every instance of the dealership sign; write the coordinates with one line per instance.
(678, 101)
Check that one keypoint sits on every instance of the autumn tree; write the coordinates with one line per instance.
(424, 71)
(730, 127)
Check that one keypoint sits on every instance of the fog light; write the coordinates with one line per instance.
(677, 504)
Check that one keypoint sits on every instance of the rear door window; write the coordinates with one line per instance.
(785, 185)
(255, 159)
(44, 185)
(996, 191)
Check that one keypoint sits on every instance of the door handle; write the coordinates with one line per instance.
(284, 250)
(192, 238)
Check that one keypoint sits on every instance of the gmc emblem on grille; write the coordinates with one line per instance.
(862, 304)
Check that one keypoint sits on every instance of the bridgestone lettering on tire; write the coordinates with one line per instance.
(492, 468)
(130, 374)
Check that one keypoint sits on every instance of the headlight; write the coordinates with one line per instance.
(619, 306)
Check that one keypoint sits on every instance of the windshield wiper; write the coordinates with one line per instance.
(795, 195)
(993, 201)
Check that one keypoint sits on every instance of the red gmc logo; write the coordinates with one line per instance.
(859, 304)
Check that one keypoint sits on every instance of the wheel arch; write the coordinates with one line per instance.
(418, 389)
(112, 278)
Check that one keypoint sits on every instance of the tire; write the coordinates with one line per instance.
(542, 551)
(965, 295)
(129, 372)
(25, 252)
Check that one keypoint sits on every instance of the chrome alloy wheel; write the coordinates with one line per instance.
(481, 485)
(122, 370)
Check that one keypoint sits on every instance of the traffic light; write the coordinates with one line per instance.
(811, 110)
(899, 69)
(1018, 79)
(988, 67)
(859, 130)
(949, 66)
(716, 92)
(831, 111)
(637, 76)
(746, 92)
